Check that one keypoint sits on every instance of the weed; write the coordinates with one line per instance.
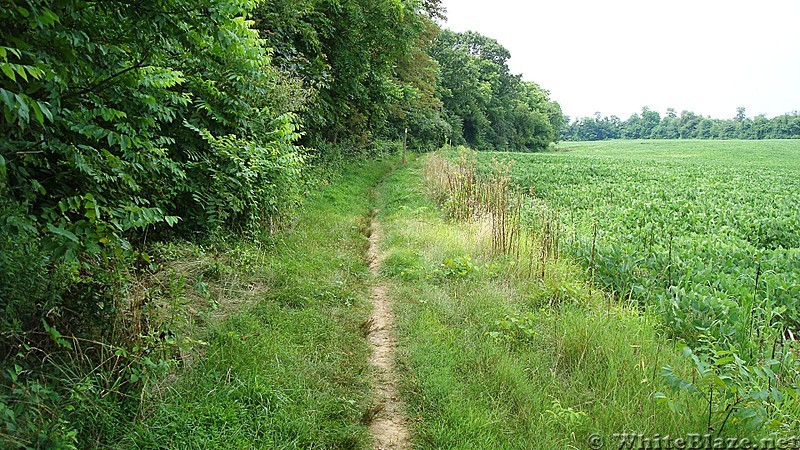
(458, 267)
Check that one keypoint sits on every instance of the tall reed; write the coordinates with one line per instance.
(489, 196)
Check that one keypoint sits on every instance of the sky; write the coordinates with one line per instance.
(616, 56)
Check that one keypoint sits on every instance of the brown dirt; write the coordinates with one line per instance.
(388, 425)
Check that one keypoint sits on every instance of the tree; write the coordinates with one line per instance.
(741, 114)
(650, 120)
(687, 125)
(669, 127)
(365, 62)
(632, 128)
(486, 105)
(705, 129)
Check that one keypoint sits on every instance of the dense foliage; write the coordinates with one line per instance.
(120, 119)
(487, 106)
(364, 62)
(650, 125)
(373, 70)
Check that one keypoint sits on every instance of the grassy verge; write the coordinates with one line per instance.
(284, 363)
(493, 357)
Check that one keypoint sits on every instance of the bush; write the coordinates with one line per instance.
(121, 122)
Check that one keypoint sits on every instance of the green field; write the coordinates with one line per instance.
(774, 154)
(706, 233)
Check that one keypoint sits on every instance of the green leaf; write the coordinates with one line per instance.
(777, 395)
(92, 211)
(20, 69)
(8, 99)
(724, 361)
(35, 72)
(23, 112)
(62, 232)
(55, 335)
(37, 112)
(45, 110)
(6, 68)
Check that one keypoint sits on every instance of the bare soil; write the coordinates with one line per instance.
(388, 425)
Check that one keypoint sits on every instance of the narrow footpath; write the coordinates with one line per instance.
(389, 425)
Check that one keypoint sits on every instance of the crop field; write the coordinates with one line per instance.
(705, 233)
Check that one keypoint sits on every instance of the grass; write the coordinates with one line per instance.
(285, 367)
(493, 358)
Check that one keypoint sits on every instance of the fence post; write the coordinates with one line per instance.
(405, 138)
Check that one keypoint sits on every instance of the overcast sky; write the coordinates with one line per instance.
(615, 56)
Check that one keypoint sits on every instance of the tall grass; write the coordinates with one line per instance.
(491, 200)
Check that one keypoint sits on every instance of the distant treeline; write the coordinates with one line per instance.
(688, 125)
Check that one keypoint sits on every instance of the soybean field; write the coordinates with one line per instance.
(705, 233)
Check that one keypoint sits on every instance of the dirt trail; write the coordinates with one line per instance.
(389, 425)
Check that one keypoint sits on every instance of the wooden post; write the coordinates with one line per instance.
(405, 138)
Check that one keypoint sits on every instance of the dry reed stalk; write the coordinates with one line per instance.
(467, 194)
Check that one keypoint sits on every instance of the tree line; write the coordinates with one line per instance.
(688, 125)
(129, 121)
